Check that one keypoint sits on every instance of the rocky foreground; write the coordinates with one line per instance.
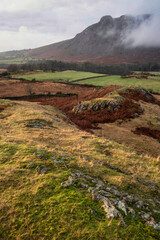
(58, 182)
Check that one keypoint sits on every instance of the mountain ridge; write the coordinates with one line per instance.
(107, 41)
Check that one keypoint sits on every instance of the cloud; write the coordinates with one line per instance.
(57, 20)
(19, 5)
(146, 35)
(24, 38)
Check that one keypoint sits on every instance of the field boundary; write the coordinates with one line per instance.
(83, 79)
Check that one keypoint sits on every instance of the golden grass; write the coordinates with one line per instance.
(64, 138)
(23, 191)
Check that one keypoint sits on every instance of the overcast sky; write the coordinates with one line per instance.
(32, 23)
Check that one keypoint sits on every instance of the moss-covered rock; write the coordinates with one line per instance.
(112, 101)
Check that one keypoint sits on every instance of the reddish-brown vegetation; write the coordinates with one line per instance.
(15, 88)
(148, 132)
(2, 107)
(90, 118)
(86, 120)
(139, 94)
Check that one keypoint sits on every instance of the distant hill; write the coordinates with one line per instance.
(104, 42)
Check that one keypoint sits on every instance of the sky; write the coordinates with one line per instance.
(26, 24)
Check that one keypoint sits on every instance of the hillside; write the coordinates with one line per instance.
(58, 182)
(103, 42)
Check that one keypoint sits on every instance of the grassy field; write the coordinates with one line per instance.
(152, 83)
(13, 61)
(61, 76)
(37, 206)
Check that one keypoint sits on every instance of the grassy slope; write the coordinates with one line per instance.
(66, 75)
(37, 206)
(150, 83)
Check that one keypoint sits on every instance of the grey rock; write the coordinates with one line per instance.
(94, 181)
(110, 210)
(114, 201)
(96, 196)
(145, 216)
(105, 193)
(58, 161)
(136, 115)
(30, 165)
(139, 204)
(156, 211)
(148, 183)
(122, 206)
(157, 226)
(151, 223)
(88, 177)
(91, 189)
(69, 182)
(44, 170)
(131, 198)
(78, 175)
(151, 202)
(114, 191)
(100, 183)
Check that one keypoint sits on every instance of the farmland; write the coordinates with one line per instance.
(152, 83)
(67, 76)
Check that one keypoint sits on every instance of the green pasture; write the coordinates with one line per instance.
(58, 76)
(152, 83)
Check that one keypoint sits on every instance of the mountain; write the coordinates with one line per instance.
(105, 41)
(108, 41)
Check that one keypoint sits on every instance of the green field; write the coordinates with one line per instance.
(58, 76)
(150, 83)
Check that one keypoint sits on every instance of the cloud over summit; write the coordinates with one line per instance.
(49, 21)
(146, 35)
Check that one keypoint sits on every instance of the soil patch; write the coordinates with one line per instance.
(148, 132)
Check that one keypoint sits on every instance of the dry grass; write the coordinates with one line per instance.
(34, 206)
(122, 131)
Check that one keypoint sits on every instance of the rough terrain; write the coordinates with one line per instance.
(58, 182)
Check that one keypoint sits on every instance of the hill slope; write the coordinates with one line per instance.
(104, 42)
(58, 182)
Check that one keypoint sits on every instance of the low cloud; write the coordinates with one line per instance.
(146, 35)
(57, 20)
